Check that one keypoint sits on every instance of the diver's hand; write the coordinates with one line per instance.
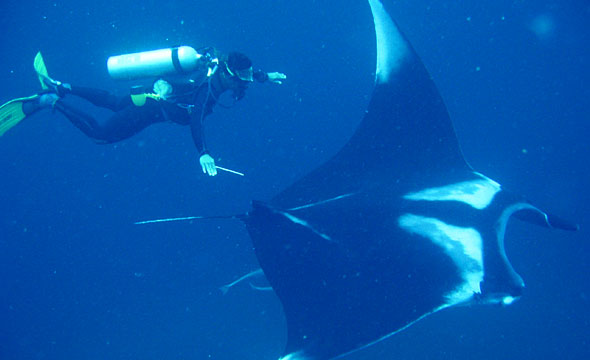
(276, 77)
(163, 88)
(208, 165)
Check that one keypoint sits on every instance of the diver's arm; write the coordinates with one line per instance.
(197, 131)
(260, 76)
(273, 77)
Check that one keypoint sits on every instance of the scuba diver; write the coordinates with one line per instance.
(184, 97)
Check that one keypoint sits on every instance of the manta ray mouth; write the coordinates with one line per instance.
(499, 296)
(501, 299)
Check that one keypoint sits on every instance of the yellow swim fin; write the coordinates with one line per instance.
(12, 113)
(41, 70)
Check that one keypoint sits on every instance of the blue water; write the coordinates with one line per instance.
(79, 281)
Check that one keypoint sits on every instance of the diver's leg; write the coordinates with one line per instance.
(38, 102)
(83, 121)
(101, 98)
(97, 97)
(123, 124)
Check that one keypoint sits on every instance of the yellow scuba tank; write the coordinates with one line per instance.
(177, 60)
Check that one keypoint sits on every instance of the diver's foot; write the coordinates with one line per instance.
(59, 88)
(47, 100)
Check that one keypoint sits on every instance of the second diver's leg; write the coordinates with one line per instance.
(36, 103)
(83, 121)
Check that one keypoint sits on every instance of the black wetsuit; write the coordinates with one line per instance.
(191, 101)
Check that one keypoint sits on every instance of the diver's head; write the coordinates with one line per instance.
(240, 66)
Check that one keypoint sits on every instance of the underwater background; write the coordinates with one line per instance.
(78, 280)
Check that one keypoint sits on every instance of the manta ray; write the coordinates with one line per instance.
(394, 227)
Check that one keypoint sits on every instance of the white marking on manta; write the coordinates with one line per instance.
(391, 46)
(304, 223)
(477, 193)
(261, 288)
(322, 202)
(225, 288)
(508, 300)
(299, 355)
(462, 245)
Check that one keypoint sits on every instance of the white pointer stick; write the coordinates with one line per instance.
(187, 218)
(169, 219)
(229, 171)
